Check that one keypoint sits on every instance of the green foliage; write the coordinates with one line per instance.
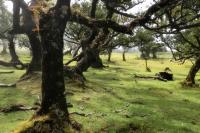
(123, 40)
(184, 45)
(76, 32)
(5, 19)
(146, 43)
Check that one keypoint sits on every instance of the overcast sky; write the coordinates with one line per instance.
(139, 8)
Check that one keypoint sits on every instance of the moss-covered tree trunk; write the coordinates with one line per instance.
(53, 102)
(91, 56)
(190, 79)
(52, 27)
(85, 62)
(29, 27)
(88, 55)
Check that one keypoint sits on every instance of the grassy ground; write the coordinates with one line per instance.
(114, 101)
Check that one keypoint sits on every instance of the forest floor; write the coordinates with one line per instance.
(113, 100)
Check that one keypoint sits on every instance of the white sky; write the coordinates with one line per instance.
(140, 8)
(9, 4)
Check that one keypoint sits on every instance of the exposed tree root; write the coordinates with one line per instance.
(14, 108)
(47, 125)
(20, 107)
(78, 113)
(17, 65)
(71, 74)
(25, 77)
(54, 122)
(189, 84)
(30, 75)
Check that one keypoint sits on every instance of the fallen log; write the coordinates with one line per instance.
(7, 85)
(7, 72)
(150, 77)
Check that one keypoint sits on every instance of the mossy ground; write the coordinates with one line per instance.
(113, 100)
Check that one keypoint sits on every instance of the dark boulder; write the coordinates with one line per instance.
(166, 75)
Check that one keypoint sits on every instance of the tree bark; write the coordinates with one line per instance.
(35, 64)
(30, 28)
(91, 53)
(109, 55)
(14, 62)
(123, 56)
(52, 27)
(85, 62)
(13, 54)
(190, 79)
(97, 63)
(16, 15)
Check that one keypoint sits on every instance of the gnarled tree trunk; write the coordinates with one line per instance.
(91, 54)
(85, 62)
(97, 63)
(190, 79)
(53, 104)
(30, 28)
